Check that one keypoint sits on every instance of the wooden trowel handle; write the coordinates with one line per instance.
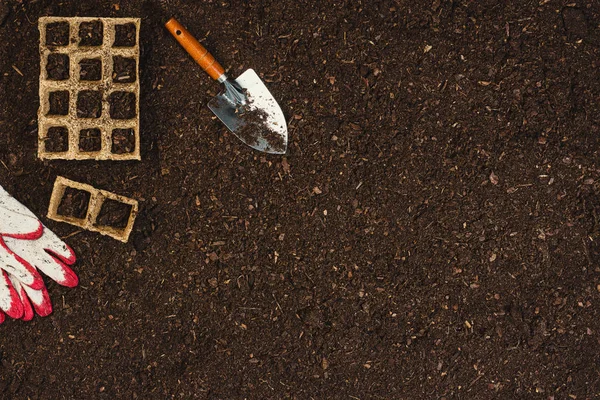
(195, 49)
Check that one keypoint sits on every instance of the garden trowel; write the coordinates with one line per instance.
(246, 106)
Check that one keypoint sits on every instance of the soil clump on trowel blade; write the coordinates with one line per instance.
(255, 126)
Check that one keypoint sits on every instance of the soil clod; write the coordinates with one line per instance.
(125, 35)
(123, 141)
(59, 103)
(124, 70)
(91, 33)
(57, 34)
(4, 11)
(74, 203)
(114, 214)
(89, 104)
(90, 140)
(90, 69)
(255, 127)
(575, 23)
(122, 105)
(57, 68)
(57, 139)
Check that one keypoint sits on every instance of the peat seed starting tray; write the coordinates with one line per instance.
(89, 89)
(92, 209)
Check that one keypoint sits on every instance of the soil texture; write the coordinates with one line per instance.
(431, 233)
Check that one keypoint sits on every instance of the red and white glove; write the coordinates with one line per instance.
(27, 248)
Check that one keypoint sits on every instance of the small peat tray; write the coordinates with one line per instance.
(92, 209)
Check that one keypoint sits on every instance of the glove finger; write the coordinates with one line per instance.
(49, 254)
(40, 300)
(2, 317)
(60, 272)
(10, 302)
(27, 309)
(17, 266)
(52, 243)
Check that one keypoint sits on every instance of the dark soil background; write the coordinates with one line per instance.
(433, 231)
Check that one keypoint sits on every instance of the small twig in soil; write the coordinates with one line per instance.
(587, 252)
(276, 302)
(17, 69)
(71, 234)
(475, 380)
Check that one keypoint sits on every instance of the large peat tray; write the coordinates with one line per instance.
(89, 89)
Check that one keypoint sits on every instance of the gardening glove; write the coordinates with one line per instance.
(27, 248)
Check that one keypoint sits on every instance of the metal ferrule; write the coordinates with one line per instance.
(222, 78)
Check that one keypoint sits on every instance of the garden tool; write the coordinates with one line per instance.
(245, 105)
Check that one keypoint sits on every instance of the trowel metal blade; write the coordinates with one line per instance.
(270, 134)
